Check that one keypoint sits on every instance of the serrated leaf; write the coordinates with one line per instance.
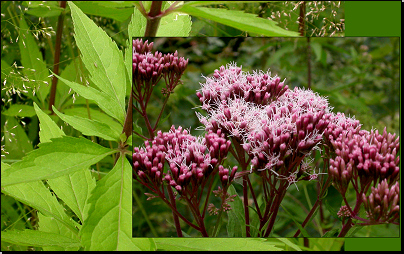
(62, 156)
(137, 25)
(51, 225)
(214, 244)
(74, 188)
(174, 25)
(31, 58)
(97, 8)
(48, 128)
(36, 195)
(95, 115)
(20, 110)
(89, 127)
(102, 59)
(238, 19)
(108, 225)
(103, 100)
(37, 238)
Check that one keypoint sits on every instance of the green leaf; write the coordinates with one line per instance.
(37, 238)
(199, 3)
(50, 225)
(302, 229)
(236, 222)
(89, 127)
(31, 58)
(333, 244)
(214, 244)
(108, 225)
(102, 59)
(74, 189)
(95, 115)
(20, 110)
(137, 25)
(288, 243)
(98, 8)
(48, 128)
(16, 142)
(61, 156)
(43, 8)
(145, 244)
(238, 19)
(103, 100)
(279, 54)
(174, 25)
(36, 195)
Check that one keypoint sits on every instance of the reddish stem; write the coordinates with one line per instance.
(56, 61)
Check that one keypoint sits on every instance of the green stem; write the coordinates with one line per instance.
(141, 208)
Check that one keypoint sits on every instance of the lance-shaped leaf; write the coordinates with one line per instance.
(62, 156)
(89, 127)
(103, 100)
(36, 195)
(238, 19)
(73, 188)
(108, 225)
(37, 238)
(31, 58)
(47, 128)
(102, 59)
(50, 225)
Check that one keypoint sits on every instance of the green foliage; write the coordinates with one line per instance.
(64, 191)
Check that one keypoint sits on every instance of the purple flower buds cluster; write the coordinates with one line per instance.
(294, 126)
(366, 156)
(224, 175)
(232, 82)
(344, 212)
(174, 67)
(149, 68)
(340, 124)
(191, 160)
(383, 202)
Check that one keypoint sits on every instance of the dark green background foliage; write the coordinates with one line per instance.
(360, 77)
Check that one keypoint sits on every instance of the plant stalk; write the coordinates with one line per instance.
(153, 19)
(56, 61)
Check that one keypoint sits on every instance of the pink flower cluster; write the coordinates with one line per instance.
(191, 160)
(364, 156)
(282, 129)
(149, 68)
(383, 203)
(231, 82)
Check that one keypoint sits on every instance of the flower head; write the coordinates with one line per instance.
(383, 202)
(191, 159)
